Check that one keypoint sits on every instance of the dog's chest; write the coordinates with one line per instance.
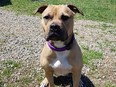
(61, 65)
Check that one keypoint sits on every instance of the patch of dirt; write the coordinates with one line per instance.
(21, 39)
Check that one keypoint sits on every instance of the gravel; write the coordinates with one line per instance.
(21, 39)
(20, 36)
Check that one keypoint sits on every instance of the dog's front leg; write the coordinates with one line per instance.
(49, 76)
(76, 74)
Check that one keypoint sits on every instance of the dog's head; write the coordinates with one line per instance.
(57, 21)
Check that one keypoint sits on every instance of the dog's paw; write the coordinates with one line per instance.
(44, 83)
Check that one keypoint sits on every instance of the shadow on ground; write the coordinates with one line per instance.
(5, 2)
(1, 84)
(67, 80)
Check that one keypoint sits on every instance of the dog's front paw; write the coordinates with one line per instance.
(44, 83)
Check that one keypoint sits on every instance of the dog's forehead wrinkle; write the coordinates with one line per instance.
(55, 10)
(47, 12)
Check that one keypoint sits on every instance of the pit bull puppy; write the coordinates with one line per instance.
(61, 54)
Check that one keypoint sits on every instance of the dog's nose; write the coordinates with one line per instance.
(54, 27)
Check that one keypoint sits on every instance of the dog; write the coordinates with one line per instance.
(61, 53)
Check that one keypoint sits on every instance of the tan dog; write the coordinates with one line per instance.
(61, 54)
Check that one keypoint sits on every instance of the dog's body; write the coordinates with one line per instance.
(57, 21)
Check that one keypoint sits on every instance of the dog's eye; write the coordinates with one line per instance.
(46, 17)
(64, 17)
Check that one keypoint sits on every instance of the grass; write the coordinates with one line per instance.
(18, 74)
(89, 55)
(100, 10)
(8, 67)
(110, 85)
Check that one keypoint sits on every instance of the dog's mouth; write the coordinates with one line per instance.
(53, 36)
(56, 36)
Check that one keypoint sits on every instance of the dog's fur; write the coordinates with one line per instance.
(64, 62)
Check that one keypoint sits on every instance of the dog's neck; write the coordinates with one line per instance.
(60, 45)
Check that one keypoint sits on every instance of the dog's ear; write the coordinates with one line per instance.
(41, 9)
(75, 9)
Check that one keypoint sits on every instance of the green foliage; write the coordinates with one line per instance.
(101, 10)
(88, 55)
(109, 84)
(8, 67)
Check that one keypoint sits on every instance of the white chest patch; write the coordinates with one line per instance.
(60, 64)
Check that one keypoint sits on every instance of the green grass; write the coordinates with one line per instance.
(109, 84)
(100, 10)
(89, 55)
(8, 67)
(18, 74)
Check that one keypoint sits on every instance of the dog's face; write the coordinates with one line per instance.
(57, 21)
